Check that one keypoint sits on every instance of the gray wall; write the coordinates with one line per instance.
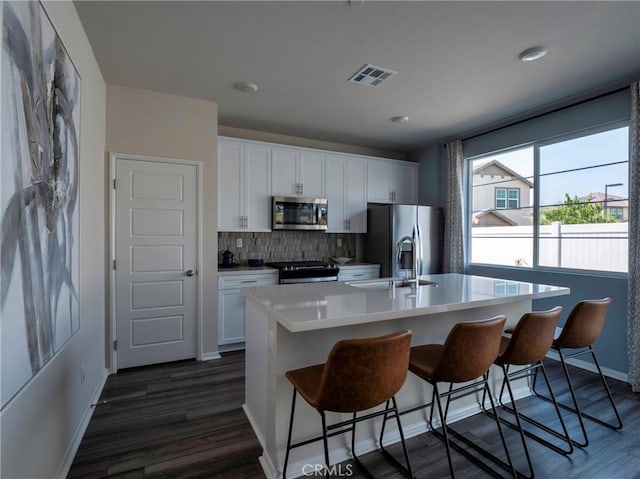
(611, 348)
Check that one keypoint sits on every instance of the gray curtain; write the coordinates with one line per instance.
(633, 294)
(453, 261)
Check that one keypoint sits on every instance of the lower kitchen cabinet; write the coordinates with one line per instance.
(358, 271)
(231, 306)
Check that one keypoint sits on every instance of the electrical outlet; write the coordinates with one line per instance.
(239, 242)
(339, 242)
(82, 374)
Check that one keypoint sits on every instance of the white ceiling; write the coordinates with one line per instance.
(457, 62)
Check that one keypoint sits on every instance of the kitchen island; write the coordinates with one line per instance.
(292, 326)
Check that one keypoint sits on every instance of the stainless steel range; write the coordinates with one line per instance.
(291, 272)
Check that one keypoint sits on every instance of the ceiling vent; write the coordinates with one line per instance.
(371, 75)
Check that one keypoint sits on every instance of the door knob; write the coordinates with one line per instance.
(190, 272)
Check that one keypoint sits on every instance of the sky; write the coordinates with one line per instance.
(605, 147)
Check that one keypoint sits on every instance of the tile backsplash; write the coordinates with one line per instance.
(288, 245)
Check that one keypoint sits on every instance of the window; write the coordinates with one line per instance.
(558, 203)
(617, 213)
(501, 199)
(507, 198)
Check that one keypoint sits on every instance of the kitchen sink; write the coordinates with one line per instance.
(388, 283)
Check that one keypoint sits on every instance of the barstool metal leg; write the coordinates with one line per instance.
(406, 469)
(502, 438)
(324, 442)
(576, 408)
(564, 437)
(609, 395)
(443, 422)
(519, 428)
(286, 456)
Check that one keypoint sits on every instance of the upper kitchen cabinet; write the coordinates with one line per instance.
(392, 182)
(346, 195)
(244, 180)
(296, 172)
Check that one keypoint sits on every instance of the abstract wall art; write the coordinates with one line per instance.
(40, 97)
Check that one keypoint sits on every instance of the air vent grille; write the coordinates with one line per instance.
(371, 75)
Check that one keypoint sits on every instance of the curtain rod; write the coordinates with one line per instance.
(539, 115)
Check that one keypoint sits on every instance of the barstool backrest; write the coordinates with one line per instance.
(362, 373)
(531, 338)
(584, 324)
(469, 351)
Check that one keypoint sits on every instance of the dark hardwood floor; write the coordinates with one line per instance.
(184, 420)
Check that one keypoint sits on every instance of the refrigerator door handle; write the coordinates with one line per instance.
(420, 252)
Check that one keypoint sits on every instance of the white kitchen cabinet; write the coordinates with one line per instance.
(405, 184)
(358, 272)
(296, 172)
(231, 305)
(391, 181)
(346, 194)
(244, 182)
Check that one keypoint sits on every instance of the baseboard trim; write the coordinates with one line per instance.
(588, 366)
(210, 356)
(65, 465)
(252, 422)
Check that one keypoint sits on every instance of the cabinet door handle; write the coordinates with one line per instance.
(250, 281)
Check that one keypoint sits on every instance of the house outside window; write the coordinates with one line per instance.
(560, 203)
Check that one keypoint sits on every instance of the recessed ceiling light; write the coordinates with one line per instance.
(400, 119)
(532, 54)
(246, 87)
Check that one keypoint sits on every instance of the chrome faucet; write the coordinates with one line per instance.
(414, 251)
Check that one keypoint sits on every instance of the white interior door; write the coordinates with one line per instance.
(156, 255)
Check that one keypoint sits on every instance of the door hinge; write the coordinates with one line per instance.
(114, 264)
(114, 183)
(115, 344)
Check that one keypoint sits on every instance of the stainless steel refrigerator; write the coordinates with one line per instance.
(387, 224)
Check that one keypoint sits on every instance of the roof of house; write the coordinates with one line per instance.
(513, 217)
(508, 171)
(613, 201)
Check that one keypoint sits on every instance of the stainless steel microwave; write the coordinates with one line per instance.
(293, 213)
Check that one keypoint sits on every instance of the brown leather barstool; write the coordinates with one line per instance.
(526, 345)
(359, 374)
(466, 355)
(580, 331)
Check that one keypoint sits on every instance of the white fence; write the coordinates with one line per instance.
(603, 246)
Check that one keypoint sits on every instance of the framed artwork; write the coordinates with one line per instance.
(40, 141)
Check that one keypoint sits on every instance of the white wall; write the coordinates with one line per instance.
(148, 123)
(42, 425)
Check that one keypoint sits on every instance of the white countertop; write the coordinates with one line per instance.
(246, 270)
(307, 307)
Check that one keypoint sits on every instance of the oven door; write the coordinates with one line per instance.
(308, 276)
(292, 213)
